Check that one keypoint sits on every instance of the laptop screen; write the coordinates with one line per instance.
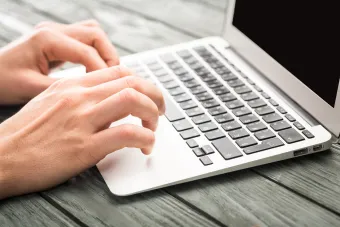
(300, 35)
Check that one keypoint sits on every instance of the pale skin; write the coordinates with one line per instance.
(64, 127)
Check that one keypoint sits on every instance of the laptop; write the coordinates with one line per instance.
(265, 90)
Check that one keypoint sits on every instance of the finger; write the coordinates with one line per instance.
(90, 33)
(95, 37)
(59, 47)
(108, 89)
(104, 75)
(122, 136)
(126, 102)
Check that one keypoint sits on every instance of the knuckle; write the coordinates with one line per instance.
(42, 34)
(128, 131)
(88, 51)
(67, 102)
(129, 95)
(93, 23)
(150, 139)
(121, 71)
(132, 82)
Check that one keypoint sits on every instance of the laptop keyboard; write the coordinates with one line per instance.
(239, 122)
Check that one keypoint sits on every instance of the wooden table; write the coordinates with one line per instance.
(300, 192)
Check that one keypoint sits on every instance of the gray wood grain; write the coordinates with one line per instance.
(31, 210)
(191, 17)
(88, 198)
(315, 176)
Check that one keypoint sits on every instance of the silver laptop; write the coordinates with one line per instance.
(264, 91)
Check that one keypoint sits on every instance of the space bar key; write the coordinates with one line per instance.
(227, 148)
(172, 112)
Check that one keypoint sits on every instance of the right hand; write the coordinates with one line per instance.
(65, 130)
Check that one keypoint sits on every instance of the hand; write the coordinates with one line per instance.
(65, 130)
(25, 63)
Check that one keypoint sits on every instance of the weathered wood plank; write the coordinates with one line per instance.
(315, 176)
(191, 17)
(88, 198)
(246, 199)
(31, 210)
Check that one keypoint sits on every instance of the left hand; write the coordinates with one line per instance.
(26, 62)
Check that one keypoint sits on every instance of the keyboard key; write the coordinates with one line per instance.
(280, 125)
(241, 112)
(196, 66)
(273, 102)
(182, 125)
(234, 104)
(290, 118)
(206, 160)
(172, 112)
(246, 142)
(308, 134)
(250, 82)
(210, 103)
(206, 127)
(180, 71)
(235, 83)
(242, 90)
(257, 103)
(198, 152)
(217, 111)
(299, 126)
(281, 110)
(257, 88)
(176, 91)
(291, 136)
(265, 145)
(160, 72)
(191, 83)
(190, 60)
(188, 134)
(226, 148)
(204, 96)
(270, 118)
(236, 134)
(201, 119)
(222, 70)
(249, 119)
(228, 77)
(175, 65)
(182, 98)
(198, 89)
(166, 78)
(184, 53)
(265, 134)
(208, 149)
(192, 143)
(202, 72)
(224, 118)
(265, 95)
(155, 66)
(227, 97)
(264, 110)
(214, 84)
(249, 96)
(188, 105)
(208, 78)
(170, 84)
(255, 127)
(213, 135)
(221, 91)
(194, 112)
(185, 77)
(231, 126)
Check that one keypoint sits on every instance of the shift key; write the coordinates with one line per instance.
(227, 148)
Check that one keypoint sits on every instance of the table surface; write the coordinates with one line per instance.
(298, 192)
